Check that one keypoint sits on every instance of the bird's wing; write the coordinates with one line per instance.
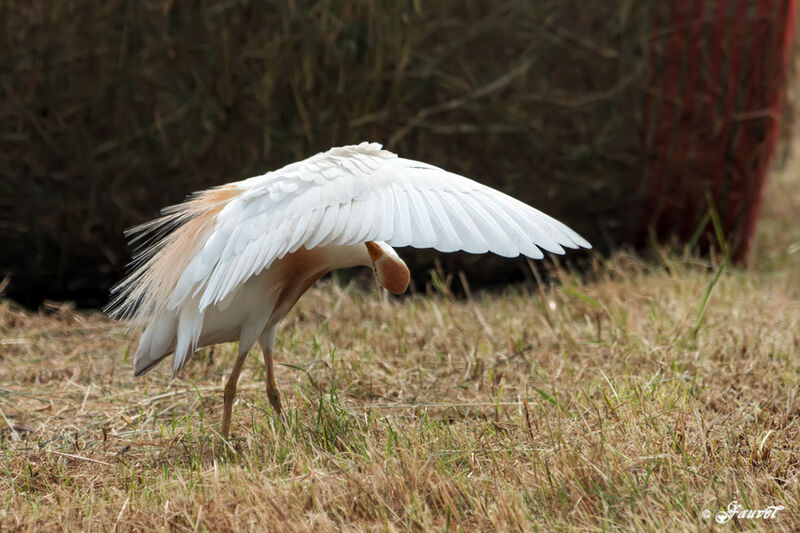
(356, 194)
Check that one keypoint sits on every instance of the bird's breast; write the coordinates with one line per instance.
(293, 274)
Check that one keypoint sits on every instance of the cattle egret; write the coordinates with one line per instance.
(230, 262)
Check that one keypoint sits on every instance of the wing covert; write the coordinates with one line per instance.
(356, 194)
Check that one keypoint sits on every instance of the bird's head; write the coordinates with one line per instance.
(391, 271)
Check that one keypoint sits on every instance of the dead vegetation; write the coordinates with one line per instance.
(602, 404)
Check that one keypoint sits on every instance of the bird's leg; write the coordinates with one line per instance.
(272, 388)
(267, 341)
(230, 392)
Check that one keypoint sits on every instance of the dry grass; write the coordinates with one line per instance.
(625, 400)
(596, 405)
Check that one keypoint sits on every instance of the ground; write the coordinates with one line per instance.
(635, 396)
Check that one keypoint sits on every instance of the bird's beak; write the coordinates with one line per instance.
(392, 272)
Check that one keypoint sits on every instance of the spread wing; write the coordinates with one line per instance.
(357, 194)
(352, 195)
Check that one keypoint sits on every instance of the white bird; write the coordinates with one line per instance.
(230, 262)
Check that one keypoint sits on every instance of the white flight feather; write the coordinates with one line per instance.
(346, 196)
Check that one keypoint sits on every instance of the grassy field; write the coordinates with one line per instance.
(635, 397)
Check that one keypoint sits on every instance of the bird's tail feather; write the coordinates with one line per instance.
(189, 327)
(158, 341)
